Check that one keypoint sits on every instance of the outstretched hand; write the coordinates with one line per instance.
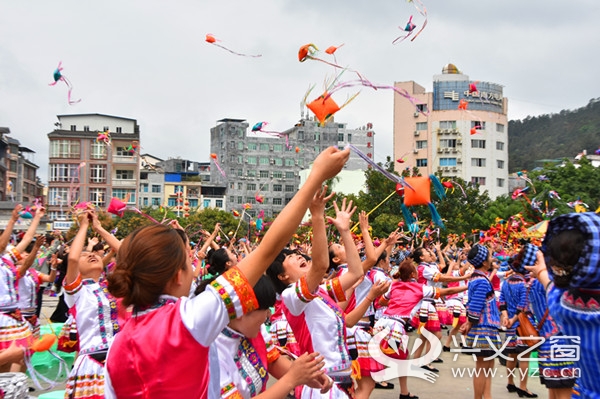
(342, 215)
(317, 205)
(329, 163)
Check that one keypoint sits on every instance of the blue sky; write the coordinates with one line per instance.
(148, 60)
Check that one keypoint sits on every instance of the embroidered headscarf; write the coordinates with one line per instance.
(586, 272)
(525, 257)
(480, 256)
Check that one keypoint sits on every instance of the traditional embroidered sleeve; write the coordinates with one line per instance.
(230, 391)
(431, 292)
(478, 290)
(272, 353)
(72, 291)
(297, 296)
(431, 274)
(228, 297)
(335, 290)
(522, 295)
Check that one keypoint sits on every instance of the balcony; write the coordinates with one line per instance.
(128, 159)
(129, 183)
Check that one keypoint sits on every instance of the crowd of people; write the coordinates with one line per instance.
(157, 317)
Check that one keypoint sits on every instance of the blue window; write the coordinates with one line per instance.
(447, 161)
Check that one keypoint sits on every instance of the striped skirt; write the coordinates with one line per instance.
(553, 372)
(14, 328)
(86, 380)
(485, 341)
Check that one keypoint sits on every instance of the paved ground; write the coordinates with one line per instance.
(448, 385)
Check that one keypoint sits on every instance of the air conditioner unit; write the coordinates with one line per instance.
(440, 150)
(416, 133)
(454, 150)
(440, 169)
(458, 160)
(445, 131)
(415, 151)
(458, 142)
(446, 149)
(446, 169)
(438, 130)
(454, 169)
(416, 113)
(270, 148)
(272, 161)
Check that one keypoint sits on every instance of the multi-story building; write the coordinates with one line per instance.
(438, 136)
(85, 168)
(19, 182)
(18, 172)
(254, 166)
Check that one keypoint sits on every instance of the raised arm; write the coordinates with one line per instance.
(76, 248)
(210, 240)
(371, 257)
(113, 242)
(440, 254)
(326, 165)
(539, 270)
(5, 237)
(40, 240)
(320, 256)
(39, 214)
(342, 224)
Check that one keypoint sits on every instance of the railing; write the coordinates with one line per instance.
(124, 159)
(124, 183)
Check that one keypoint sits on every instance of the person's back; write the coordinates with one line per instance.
(150, 348)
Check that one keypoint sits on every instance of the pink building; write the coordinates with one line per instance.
(438, 136)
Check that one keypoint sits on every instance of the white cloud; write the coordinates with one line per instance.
(148, 60)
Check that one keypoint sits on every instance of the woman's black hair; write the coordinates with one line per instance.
(265, 293)
(217, 261)
(62, 267)
(217, 264)
(332, 264)
(417, 254)
(564, 251)
(276, 268)
(381, 257)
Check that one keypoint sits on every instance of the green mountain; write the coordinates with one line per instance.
(539, 139)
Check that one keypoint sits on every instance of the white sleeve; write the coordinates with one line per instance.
(228, 297)
(292, 301)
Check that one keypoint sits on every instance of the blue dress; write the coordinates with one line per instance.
(554, 372)
(483, 313)
(513, 298)
(578, 317)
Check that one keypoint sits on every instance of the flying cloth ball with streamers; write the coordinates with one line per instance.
(418, 192)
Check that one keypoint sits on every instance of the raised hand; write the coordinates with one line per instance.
(342, 215)
(363, 220)
(329, 163)
(16, 212)
(317, 205)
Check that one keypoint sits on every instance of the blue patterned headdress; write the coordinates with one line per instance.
(586, 272)
(525, 257)
(480, 257)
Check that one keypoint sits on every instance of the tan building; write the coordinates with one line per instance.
(85, 169)
(437, 136)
